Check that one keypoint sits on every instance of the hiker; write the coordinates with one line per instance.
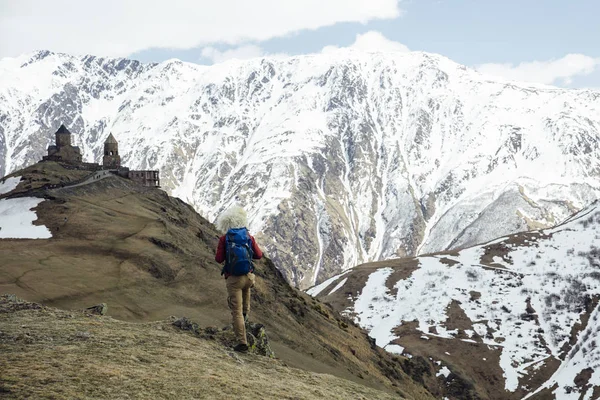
(237, 248)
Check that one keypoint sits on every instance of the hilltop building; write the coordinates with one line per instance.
(64, 152)
(146, 178)
(111, 158)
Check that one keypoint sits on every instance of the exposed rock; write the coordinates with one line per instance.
(185, 324)
(11, 303)
(258, 341)
(417, 368)
(460, 387)
(99, 309)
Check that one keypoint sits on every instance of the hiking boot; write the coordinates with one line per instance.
(241, 348)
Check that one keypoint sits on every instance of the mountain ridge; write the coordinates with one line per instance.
(381, 155)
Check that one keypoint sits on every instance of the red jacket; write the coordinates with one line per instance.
(220, 255)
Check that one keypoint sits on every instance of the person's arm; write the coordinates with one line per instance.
(256, 252)
(220, 254)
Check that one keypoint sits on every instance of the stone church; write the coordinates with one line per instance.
(63, 150)
(66, 153)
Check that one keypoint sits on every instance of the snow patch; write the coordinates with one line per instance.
(316, 290)
(550, 275)
(338, 286)
(16, 219)
(9, 184)
(444, 371)
(394, 349)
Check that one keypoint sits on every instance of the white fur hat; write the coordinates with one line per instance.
(234, 217)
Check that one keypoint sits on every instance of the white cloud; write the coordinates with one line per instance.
(240, 53)
(372, 42)
(546, 72)
(119, 28)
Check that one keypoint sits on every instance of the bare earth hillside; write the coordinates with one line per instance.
(150, 256)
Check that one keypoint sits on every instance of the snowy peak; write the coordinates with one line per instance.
(526, 303)
(339, 158)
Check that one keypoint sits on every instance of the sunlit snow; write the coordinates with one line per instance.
(9, 184)
(376, 145)
(444, 371)
(338, 286)
(17, 217)
(316, 290)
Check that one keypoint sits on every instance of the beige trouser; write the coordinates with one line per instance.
(238, 289)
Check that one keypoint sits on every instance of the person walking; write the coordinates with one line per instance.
(237, 248)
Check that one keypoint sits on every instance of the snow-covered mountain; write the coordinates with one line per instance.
(340, 158)
(522, 309)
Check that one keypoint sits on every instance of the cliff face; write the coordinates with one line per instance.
(340, 159)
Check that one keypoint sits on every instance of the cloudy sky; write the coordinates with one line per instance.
(546, 41)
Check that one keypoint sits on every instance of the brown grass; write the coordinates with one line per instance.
(54, 354)
(45, 173)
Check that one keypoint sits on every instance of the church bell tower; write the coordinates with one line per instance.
(111, 159)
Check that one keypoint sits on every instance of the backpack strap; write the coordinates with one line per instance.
(227, 255)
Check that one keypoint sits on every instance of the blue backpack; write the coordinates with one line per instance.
(238, 252)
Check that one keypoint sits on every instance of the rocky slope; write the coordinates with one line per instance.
(340, 158)
(517, 317)
(149, 256)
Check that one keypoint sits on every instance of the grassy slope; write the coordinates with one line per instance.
(46, 173)
(50, 353)
(150, 256)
